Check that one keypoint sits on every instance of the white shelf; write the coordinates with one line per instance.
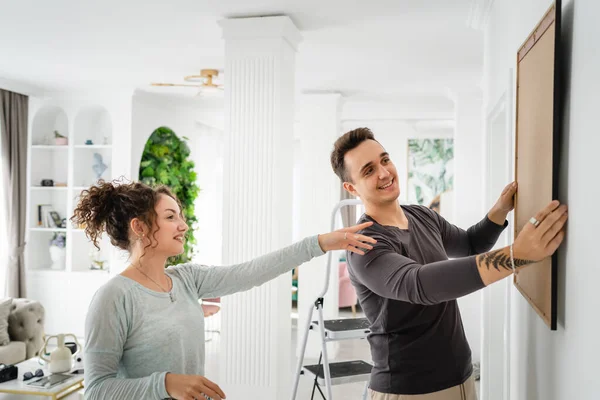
(43, 271)
(57, 188)
(91, 272)
(93, 146)
(36, 229)
(49, 147)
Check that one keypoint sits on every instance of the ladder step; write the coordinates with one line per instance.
(342, 372)
(347, 328)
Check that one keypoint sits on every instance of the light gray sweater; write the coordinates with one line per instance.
(134, 335)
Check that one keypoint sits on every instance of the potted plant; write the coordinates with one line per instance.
(60, 140)
(58, 250)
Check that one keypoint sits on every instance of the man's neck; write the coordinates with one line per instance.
(390, 214)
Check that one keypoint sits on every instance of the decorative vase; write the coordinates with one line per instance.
(61, 358)
(57, 255)
(99, 167)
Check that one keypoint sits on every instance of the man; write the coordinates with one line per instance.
(408, 288)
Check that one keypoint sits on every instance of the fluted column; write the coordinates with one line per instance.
(257, 201)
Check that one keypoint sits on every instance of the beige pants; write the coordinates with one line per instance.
(466, 391)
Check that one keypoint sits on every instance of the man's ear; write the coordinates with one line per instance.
(349, 187)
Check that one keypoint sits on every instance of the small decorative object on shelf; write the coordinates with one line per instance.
(43, 214)
(59, 139)
(105, 141)
(49, 218)
(56, 220)
(97, 263)
(58, 250)
(89, 142)
(47, 182)
(99, 167)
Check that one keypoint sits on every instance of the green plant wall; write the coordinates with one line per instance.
(166, 161)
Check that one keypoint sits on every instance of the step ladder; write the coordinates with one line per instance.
(326, 373)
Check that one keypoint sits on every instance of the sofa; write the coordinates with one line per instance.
(25, 330)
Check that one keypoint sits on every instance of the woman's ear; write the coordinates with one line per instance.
(137, 227)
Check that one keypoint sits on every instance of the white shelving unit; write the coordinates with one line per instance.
(65, 288)
(70, 167)
(97, 116)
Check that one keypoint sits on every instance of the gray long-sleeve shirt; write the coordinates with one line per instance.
(134, 335)
(408, 288)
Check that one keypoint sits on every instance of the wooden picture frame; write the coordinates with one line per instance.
(538, 127)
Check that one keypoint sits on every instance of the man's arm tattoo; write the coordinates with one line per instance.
(499, 259)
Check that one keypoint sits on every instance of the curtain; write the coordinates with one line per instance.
(14, 110)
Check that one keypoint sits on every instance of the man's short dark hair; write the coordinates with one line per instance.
(345, 143)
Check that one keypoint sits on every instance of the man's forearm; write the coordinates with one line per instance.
(496, 265)
(482, 237)
(497, 216)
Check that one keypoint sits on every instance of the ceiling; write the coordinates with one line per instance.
(359, 48)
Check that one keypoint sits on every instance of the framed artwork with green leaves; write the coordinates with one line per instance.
(430, 172)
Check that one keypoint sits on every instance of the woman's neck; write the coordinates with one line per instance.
(152, 266)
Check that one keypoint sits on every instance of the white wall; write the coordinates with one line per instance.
(468, 196)
(559, 365)
(316, 184)
(151, 111)
(206, 144)
(202, 123)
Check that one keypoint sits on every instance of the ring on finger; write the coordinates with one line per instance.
(345, 235)
(534, 221)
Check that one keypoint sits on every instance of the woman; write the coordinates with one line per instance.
(145, 328)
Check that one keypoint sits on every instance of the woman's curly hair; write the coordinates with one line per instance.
(110, 206)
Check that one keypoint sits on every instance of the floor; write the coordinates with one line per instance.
(348, 350)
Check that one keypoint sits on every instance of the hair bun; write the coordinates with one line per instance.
(96, 204)
(110, 206)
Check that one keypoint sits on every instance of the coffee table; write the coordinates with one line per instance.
(18, 387)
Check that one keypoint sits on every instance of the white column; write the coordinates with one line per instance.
(469, 194)
(257, 201)
(319, 192)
